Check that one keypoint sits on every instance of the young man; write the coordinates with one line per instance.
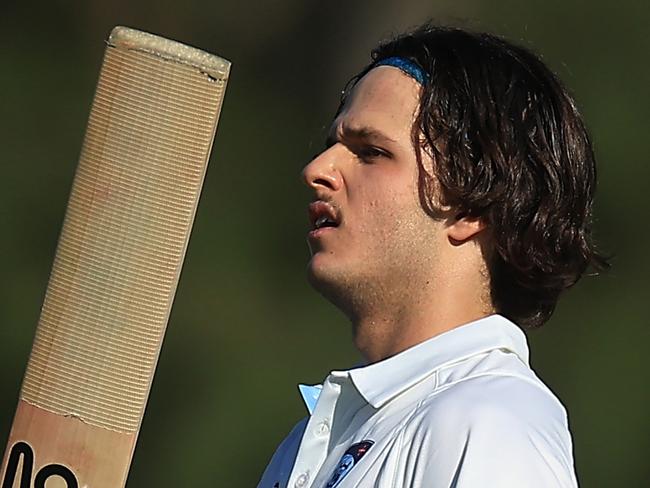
(451, 207)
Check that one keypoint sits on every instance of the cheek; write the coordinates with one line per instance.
(386, 205)
(396, 226)
(388, 217)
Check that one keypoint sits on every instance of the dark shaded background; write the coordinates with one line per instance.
(245, 327)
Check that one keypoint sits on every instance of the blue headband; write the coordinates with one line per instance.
(406, 66)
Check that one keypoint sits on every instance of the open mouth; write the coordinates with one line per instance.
(323, 215)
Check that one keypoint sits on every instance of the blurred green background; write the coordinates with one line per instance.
(246, 327)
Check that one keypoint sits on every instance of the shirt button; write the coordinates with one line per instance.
(302, 480)
(323, 429)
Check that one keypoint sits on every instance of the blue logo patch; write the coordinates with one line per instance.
(347, 462)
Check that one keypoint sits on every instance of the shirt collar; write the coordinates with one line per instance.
(379, 382)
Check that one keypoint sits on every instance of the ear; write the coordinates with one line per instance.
(464, 228)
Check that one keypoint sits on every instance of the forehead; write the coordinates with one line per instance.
(385, 99)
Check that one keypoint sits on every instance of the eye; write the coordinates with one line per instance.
(370, 154)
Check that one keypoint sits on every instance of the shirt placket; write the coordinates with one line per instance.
(315, 441)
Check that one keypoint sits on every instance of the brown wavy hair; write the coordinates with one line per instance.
(509, 146)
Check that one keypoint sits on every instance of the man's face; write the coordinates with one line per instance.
(376, 239)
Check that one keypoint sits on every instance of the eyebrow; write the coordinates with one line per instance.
(365, 132)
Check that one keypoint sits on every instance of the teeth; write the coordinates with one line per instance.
(321, 221)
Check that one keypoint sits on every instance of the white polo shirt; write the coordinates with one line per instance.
(462, 409)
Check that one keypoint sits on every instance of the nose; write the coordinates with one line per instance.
(322, 172)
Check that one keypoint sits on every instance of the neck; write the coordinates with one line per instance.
(392, 324)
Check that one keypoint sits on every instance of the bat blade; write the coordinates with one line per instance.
(117, 264)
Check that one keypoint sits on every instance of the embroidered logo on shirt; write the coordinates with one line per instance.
(347, 462)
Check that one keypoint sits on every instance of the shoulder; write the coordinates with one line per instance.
(490, 390)
(496, 423)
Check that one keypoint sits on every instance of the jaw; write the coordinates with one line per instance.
(350, 285)
(334, 281)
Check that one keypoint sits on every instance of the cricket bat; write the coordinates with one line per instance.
(117, 264)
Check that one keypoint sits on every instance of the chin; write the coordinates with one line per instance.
(318, 275)
(322, 276)
(334, 284)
